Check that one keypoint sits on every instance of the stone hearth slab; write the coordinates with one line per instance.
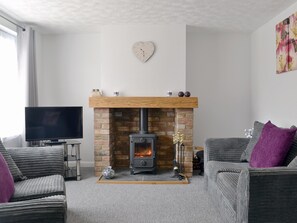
(123, 176)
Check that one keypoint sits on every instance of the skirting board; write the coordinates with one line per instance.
(86, 164)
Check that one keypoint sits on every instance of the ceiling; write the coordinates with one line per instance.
(68, 16)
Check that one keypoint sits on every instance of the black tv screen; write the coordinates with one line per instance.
(53, 123)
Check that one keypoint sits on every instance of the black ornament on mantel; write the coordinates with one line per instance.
(181, 94)
(187, 94)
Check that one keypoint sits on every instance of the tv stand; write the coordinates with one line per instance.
(71, 156)
(54, 143)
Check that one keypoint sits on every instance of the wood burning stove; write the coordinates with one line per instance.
(143, 147)
(142, 153)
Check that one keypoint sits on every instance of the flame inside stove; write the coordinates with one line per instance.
(143, 152)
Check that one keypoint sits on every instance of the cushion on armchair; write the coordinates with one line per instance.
(6, 181)
(38, 188)
(15, 171)
(292, 151)
(272, 147)
(293, 163)
(291, 158)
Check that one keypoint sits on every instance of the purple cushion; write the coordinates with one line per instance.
(6, 181)
(272, 147)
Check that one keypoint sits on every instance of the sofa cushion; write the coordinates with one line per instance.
(293, 163)
(39, 187)
(15, 171)
(246, 155)
(214, 167)
(6, 181)
(292, 152)
(227, 184)
(39, 161)
(51, 209)
(272, 147)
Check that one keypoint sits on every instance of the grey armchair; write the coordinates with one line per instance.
(42, 197)
(248, 195)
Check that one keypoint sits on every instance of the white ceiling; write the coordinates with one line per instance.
(62, 16)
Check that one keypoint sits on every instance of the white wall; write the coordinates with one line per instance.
(218, 69)
(213, 66)
(122, 71)
(68, 68)
(273, 95)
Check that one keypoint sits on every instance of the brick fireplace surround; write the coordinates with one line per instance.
(115, 118)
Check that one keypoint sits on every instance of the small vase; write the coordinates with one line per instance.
(108, 172)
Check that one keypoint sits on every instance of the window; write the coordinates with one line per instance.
(11, 93)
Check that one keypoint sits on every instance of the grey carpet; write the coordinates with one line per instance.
(125, 203)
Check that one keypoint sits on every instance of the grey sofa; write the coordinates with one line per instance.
(248, 195)
(42, 197)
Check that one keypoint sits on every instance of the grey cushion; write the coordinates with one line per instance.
(15, 171)
(293, 163)
(291, 156)
(39, 161)
(246, 155)
(227, 183)
(38, 188)
(43, 210)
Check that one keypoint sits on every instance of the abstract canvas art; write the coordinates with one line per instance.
(282, 49)
(286, 44)
(292, 65)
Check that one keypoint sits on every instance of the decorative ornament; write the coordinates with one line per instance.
(143, 50)
(108, 173)
(169, 93)
(249, 133)
(180, 94)
(96, 92)
(178, 138)
(187, 94)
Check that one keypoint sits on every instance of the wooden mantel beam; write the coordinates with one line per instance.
(143, 102)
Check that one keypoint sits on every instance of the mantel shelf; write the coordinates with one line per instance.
(143, 102)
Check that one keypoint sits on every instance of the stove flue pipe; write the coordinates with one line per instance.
(143, 120)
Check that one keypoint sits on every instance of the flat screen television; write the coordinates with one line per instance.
(53, 123)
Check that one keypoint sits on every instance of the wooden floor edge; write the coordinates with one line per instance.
(99, 181)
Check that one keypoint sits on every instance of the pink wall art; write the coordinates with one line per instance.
(286, 44)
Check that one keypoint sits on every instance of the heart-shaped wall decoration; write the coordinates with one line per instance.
(143, 50)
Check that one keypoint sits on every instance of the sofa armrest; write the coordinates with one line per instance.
(38, 161)
(49, 209)
(224, 149)
(267, 195)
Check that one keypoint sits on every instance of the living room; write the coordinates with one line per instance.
(227, 60)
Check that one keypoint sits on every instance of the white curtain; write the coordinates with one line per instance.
(26, 60)
(27, 70)
(11, 111)
(18, 88)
